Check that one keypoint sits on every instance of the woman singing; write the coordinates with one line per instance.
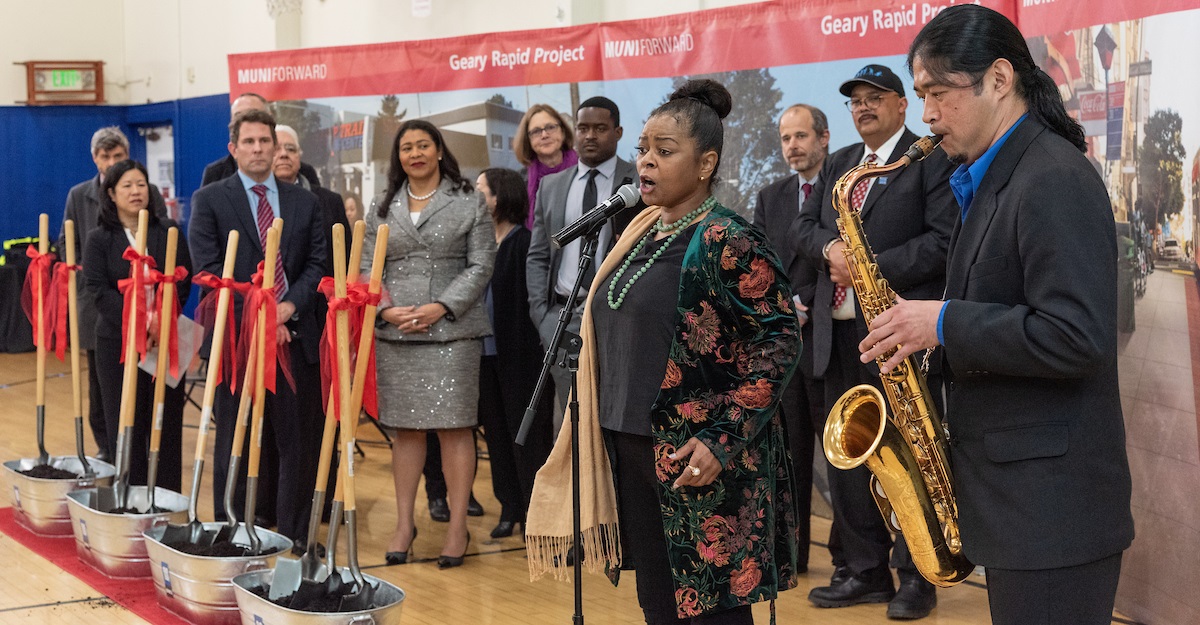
(440, 252)
(689, 338)
(126, 191)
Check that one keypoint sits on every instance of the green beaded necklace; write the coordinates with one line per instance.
(678, 226)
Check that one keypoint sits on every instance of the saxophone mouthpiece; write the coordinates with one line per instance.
(922, 148)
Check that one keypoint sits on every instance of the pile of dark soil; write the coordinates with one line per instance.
(47, 472)
(217, 550)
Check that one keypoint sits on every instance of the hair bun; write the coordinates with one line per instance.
(707, 92)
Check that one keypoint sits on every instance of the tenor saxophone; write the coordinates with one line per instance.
(906, 449)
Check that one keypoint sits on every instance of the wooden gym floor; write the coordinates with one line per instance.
(493, 586)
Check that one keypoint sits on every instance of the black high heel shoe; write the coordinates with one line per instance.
(504, 529)
(449, 562)
(400, 557)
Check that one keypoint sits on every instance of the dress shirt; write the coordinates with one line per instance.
(568, 268)
(272, 195)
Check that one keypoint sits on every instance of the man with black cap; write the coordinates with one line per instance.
(907, 216)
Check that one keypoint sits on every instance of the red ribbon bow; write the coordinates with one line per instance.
(56, 314)
(206, 314)
(37, 281)
(358, 297)
(134, 288)
(259, 298)
(173, 341)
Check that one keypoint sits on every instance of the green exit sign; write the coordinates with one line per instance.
(65, 79)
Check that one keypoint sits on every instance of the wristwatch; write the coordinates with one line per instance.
(825, 250)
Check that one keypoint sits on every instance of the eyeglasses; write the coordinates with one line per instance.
(871, 102)
(548, 129)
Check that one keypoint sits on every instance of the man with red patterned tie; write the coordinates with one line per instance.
(249, 202)
(804, 138)
(908, 217)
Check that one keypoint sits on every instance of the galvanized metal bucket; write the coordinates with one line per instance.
(259, 611)
(40, 505)
(200, 588)
(113, 543)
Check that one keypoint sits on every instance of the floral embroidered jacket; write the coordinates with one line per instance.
(736, 345)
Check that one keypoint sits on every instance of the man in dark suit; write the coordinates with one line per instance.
(287, 169)
(1027, 329)
(907, 216)
(243, 202)
(227, 166)
(561, 199)
(804, 137)
(109, 145)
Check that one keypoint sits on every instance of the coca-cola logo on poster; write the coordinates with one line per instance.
(1091, 105)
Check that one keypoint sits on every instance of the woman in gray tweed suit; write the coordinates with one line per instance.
(440, 252)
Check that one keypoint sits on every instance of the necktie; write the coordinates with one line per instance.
(807, 188)
(589, 202)
(266, 217)
(857, 199)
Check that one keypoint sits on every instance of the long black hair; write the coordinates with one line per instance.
(109, 216)
(396, 176)
(512, 199)
(966, 39)
(699, 106)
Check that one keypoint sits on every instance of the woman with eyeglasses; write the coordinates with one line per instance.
(544, 146)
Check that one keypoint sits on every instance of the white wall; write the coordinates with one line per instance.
(158, 50)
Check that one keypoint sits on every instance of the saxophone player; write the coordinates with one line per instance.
(908, 218)
(1027, 329)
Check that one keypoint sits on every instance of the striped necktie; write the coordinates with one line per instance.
(857, 199)
(266, 217)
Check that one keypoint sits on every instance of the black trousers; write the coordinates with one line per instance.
(643, 544)
(803, 411)
(1079, 595)
(513, 466)
(292, 426)
(863, 541)
(170, 455)
(96, 407)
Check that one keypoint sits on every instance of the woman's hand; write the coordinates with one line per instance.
(414, 319)
(152, 331)
(702, 466)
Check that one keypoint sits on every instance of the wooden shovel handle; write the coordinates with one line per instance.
(218, 344)
(129, 382)
(73, 320)
(40, 306)
(166, 319)
(260, 395)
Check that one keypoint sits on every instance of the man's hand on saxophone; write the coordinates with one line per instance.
(909, 326)
(839, 269)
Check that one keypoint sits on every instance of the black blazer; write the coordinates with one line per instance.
(223, 168)
(775, 211)
(220, 208)
(103, 267)
(518, 346)
(908, 218)
(333, 211)
(1030, 358)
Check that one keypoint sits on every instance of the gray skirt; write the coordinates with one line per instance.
(428, 386)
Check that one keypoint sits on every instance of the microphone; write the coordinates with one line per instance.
(627, 195)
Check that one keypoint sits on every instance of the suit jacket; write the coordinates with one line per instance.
(778, 207)
(549, 216)
(1030, 358)
(447, 257)
(83, 207)
(223, 207)
(518, 346)
(908, 217)
(103, 268)
(223, 168)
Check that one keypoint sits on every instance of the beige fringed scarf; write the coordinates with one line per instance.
(548, 522)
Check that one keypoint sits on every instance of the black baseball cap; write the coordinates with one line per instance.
(876, 76)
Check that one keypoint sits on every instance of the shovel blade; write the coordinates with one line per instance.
(363, 599)
(286, 580)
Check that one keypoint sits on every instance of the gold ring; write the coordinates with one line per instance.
(695, 470)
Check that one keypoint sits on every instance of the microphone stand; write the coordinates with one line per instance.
(587, 255)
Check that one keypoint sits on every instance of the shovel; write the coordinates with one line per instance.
(309, 568)
(166, 319)
(39, 302)
(193, 532)
(73, 328)
(363, 598)
(227, 531)
(129, 381)
(260, 394)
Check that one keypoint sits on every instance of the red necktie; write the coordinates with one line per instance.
(856, 202)
(266, 217)
(807, 188)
